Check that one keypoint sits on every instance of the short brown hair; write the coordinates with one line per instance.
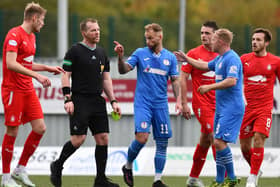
(224, 35)
(32, 9)
(266, 32)
(153, 26)
(83, 24)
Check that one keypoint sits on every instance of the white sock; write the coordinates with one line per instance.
(157, 176)
(19, 169)
(6, 176)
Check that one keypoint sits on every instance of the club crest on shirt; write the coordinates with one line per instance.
(269, 67)
(166, 62)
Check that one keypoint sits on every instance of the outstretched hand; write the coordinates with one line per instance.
(119, 49)
(55, 70)
(180, 55)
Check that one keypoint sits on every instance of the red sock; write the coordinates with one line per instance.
(256, 159)
(247, 156)
(199, 158)
(7, 152)
(29, 148)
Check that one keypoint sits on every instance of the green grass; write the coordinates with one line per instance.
(140, 181)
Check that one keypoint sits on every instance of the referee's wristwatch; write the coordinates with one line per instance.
(67, 99)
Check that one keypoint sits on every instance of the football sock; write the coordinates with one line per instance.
(256, 160)
(247, 156)
(67, 150)
(7, 152)
(132, 153)
(199, 158)
(101, 154)
(220, 167)
(29, 148)
(226, 156)
(160, 156)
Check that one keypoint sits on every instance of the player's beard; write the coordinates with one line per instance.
(259, 49)
(154, 47)
(92, 40)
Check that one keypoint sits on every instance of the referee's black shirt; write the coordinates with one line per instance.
(87, 65)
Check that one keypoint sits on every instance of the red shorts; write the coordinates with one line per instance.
(255, 121)
(205, 116)
(20, 107)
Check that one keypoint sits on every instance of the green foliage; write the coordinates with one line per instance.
(124, 20)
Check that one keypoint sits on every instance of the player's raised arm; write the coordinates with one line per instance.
(199, 64)
(122, 66)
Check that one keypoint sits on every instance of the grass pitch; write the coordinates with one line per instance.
(141, 181)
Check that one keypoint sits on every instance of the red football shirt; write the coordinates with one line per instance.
(259, 78)
(200, 77)
(19, 41)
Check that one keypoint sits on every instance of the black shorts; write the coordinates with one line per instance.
(89, 112)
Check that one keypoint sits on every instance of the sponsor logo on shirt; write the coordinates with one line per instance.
(233, 69)
(12, 42)
(93, 57)
(184, 63)
(29, 58)
(209, 74)
(148, 69)
(257, 78)
(247, 64)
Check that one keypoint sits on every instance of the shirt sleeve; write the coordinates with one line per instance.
(278, 69)
(212, 63)
(107, 64)
(133, 59)
(174, 66)
(233, 67)
(13, 43)
(187, 68)
(68, 60)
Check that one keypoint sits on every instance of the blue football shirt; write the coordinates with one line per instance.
(228, 100)
(153, 71)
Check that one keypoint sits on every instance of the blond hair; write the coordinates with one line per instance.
(153, 26)
(224, 35)
(32, 9)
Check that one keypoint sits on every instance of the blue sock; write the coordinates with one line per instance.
(160, 157)
(134, 150)
(228, 162)
(225, 159)
(220, 167)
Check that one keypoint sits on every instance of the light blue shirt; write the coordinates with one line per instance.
(153, 71)
(229, 100)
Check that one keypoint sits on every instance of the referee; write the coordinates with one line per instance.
(88, 67)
